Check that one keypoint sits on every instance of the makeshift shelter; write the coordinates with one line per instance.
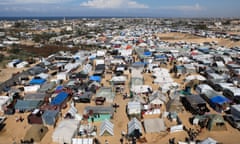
(106, 92)
(157, 99)
(65, 131)
(26, 105)
(175, 105)
(134, 128)
(106, 128)
(47, 87)
(216, 123)
(134, 109)
(176, 128)
(136, 81)
(95, 78)
(220, 103)
(35, 96)
(59, 99)
(35, 133)
(154, 125)
(31, 88)
(118, 80)
(99, 113)
(138, 89)
(50, 117)
(35, 117)
(195, 104)
(82, 141)
(37, 81)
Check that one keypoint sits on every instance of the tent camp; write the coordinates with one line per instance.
(106, 128)
(65, 131)
(35, 133)
(104, 112)
(134, 128)
(154, 125)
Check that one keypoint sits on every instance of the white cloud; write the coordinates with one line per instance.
(195, 7)
(19, 2)
(113, 4)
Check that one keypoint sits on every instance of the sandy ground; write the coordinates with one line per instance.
(14, 131)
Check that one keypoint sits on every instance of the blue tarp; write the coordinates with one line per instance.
(58, 88)
(95, 78)
(60, 98)
(204, 49)
(37, 81)
(147, 53)
(219, 100)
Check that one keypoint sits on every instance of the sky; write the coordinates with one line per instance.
(128, 8)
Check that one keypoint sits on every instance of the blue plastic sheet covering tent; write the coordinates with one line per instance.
(95, 78)
(37, 81)
(59, 89)
(219, 100)
(147, 53)
(26, 105)
(204, 49)
(160, 57)
(49, 117)
(59, 99)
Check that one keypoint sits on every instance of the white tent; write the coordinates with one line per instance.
(65, 131)
(31, 88)
(208, 141)
(154, 125)
(106, 128)
(82, 141)
(195, 77)
(169, 86)
(117, 79)
(176, 128)
(133, 108)
(133, 125)
(141, 89)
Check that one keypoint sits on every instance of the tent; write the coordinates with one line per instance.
(195, 77)
(176, 128)
(59, 99)
(106, 92)
(216, 123)
(134, 128)
(106, 128)
(35, 96)
(82, 141)
(219, 100)
(35, 133)
(141, 89)
(65, 131)
(134, 109)
(49, 117)
(154, 125)
(26, 105)
(95, 78)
